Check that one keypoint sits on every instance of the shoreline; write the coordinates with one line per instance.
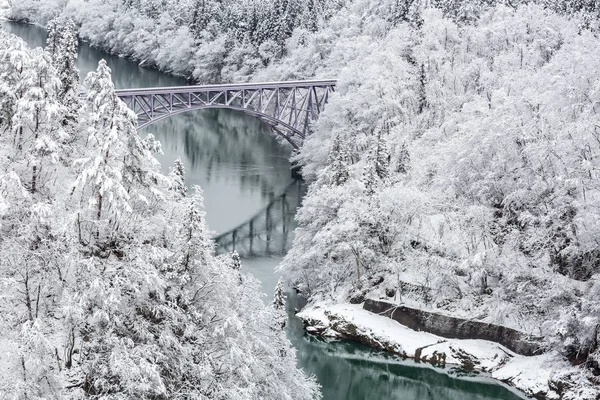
(530, 376)
(4, 16)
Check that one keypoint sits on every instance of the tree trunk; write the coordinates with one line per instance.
(99, 215)
(34, 179)
(34, 174)
(27, 297)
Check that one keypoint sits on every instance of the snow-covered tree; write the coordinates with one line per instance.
(177, 175)
(53, 29)
(120, 172)
(382, 156)
(101, 180)
(65, 59)
(403, 159)
(278, 302)
(195, 239)
(37, 113)
(370, 177)
(339, 159)
(15, 61)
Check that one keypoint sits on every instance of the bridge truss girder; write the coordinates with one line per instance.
(287, 107)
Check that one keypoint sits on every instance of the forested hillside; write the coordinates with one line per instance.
(214, 41)
(456, 167)
(109, 287)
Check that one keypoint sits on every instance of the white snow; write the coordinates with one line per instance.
(7, 360)
(3, 8)
(532, 373)
(528, 374)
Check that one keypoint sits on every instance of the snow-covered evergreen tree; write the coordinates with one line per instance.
(370, 178)
(278, 302)
(339, 159)
(53, 30)
(37, 113)
(403, 159)
(101, 180)
(382, 156)
(65, 60)
(177, 175)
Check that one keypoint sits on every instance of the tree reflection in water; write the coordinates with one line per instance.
(240, 165)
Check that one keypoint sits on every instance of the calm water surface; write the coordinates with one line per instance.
(245, 175)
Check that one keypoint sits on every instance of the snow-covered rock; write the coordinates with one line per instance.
(535, 375)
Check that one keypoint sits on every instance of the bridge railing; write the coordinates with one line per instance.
(230, 86)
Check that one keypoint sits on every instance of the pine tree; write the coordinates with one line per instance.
(101, 178)
(38, 111)
(403, 163)
(195, 238)
(53, 30)
(382, 157)
(65, 61)
(177, 174)
(279, 297)
(62, 44)
(370, 178)
(278, 303)
(338, 161)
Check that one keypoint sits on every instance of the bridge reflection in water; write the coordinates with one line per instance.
(270, 231)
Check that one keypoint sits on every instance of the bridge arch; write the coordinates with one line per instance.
(286, 107)
(285, 130)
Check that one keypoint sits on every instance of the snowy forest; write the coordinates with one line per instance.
(455, 169)
(109, 284)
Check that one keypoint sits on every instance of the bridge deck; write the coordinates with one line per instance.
(229, 86)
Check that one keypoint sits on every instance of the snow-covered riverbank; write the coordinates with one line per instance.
(535, 375)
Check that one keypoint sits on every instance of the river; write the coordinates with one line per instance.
(245, 175)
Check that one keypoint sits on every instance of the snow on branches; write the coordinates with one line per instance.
(109, 286)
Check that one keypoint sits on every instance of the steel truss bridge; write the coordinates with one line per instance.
(287, 107)
(269, 232)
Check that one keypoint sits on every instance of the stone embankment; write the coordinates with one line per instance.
(505, 354)
(456, 328)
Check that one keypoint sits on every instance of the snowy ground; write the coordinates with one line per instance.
(528, 374)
